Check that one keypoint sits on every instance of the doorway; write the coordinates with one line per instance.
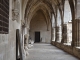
(37, 37)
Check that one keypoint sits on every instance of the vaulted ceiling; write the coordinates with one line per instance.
(48, 7)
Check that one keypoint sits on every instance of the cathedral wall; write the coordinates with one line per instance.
(8, 41)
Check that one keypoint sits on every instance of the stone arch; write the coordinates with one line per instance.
(59, 25)
(32, 3)
(66, 5)
(72, 9)
(25, 4)
(73, 18)
(39, 6)
(67, 23)
(32, 30)
(45, 10)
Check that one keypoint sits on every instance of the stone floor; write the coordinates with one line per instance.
(48, 52)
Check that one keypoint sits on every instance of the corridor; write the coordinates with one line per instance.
(42, 51)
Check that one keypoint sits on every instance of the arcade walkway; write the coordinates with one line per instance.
(48, 52)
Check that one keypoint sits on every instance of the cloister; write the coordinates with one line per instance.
(39, 29)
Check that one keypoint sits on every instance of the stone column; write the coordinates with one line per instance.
(60, 34)
(67, 36)
(69, 32)
(26, 40)
(55, 16)
(65, 33)
(57, 33)
(26, 44)
(76, 35)
(55, 30)
(62, 26)
(53, 38)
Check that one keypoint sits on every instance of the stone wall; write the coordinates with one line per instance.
(8, 41)
(67, 48)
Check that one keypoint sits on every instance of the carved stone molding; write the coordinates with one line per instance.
(15, 14)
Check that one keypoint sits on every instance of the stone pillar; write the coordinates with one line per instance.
(65, 33)
(53, 38)
(55, 16)
(57, 33)
(60, 33)
(67, 36)
(69, 32)
(55, 30)
(26, 44)
(26, 39)
(76, 35)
